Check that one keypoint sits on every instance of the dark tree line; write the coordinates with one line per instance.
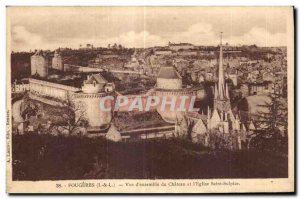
(273, 122)
(46, 157)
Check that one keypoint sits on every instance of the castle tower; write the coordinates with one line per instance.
(94, 89)
(57, 62)
(169, 89)
(39, 64)
(169, 78)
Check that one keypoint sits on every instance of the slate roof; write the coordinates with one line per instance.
(168, 72)
(96, 77)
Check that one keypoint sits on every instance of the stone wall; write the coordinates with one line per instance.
(92, 112)
(48, 101)
(169, 83)
(169, 115)
(50, 89)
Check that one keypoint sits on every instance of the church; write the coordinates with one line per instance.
(220, 122)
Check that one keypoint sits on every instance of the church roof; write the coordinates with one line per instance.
(252, 126)
(96, 77)
(215, 115)
(196, 115)
(200, 127)
(168, 72)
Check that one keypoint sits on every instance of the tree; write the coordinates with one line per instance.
(190, 126)
(273, 122)
(184, 127)
(73, 118)
(274, 119)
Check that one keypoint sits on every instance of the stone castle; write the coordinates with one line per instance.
(95, 87)
(169, 84)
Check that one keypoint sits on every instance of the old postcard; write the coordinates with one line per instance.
(150, 99)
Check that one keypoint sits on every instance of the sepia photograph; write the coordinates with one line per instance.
(150, 99)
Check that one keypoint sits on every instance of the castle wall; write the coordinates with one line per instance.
(89, 104)
(50, 89)
(171, 115)
(132, 99)
(46, 101)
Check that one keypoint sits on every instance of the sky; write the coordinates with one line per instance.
(53, 27)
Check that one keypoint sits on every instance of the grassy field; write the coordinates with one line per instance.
(45, 157)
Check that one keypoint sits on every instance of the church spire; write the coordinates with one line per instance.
(216, 92)
(226, 91)
(221, 81)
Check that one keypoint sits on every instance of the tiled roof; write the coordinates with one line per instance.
(96, 77)
(168, 72)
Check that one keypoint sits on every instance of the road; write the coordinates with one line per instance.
(16, 109)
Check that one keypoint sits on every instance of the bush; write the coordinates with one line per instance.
(46, 157)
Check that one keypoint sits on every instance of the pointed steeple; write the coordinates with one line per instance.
(243, 128)
(221, 90)
(221, 81)
(252, 126)
(208, 118)
(222, 116)
(216, 92)
(199, 127)
(208, 112)
(227, 91)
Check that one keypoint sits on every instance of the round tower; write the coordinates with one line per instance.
(170, 91)
(169, 78)
(57, 62)
(39, 64)
(93, 90)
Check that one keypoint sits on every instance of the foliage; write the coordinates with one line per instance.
(73, 118)
(272, 123)
(20, 65)
(46, 157)
(135, 120)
